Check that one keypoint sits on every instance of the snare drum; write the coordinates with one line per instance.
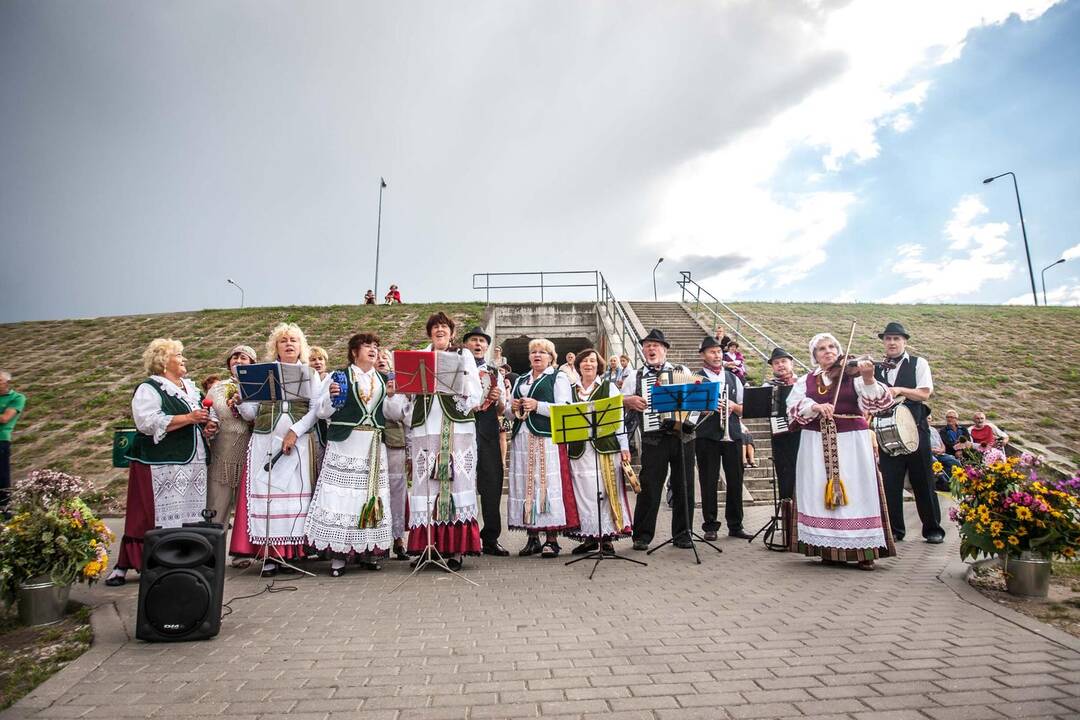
(896, 430)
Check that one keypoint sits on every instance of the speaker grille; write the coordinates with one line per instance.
(177, 602)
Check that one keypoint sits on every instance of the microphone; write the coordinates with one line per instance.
(267, 466)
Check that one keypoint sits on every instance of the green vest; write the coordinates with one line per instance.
(607, 445)
(177, 447)
(543, 390)
(353, 414)
(422, 408)
(270, 411)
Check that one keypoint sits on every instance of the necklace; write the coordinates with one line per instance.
(821, 387)
(365, 397)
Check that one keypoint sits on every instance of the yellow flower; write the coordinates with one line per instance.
(1068, 552)
(1023, 513)
(998, 544)
(996, 527)
(937, 467)
(1021, 531)
(978, 528)
(1013, 540)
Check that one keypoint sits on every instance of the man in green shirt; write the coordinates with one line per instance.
(11, 406)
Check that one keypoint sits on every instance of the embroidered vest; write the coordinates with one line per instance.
(353, 414)
(543, 390)
(710, 428)
(422, 408)
(905, 378)
(606, 445)
(177, 447)
(846, 404)
(271, 411)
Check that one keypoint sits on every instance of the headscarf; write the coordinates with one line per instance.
(818, 338)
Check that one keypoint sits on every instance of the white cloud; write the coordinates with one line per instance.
(1072, 253)
(1067, 294)
(974, 257)
(724, 201)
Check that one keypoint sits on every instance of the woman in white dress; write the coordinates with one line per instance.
(541, 493)
(613, 519)
(396, 455)
(279, 486)
(839, 501)
(350, 511)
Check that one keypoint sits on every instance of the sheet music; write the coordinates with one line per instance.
(274, 381)
(450, 372)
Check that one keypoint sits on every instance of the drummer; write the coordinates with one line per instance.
(908, 377)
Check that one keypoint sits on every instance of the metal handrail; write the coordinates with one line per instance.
(696, 291)
(619, 320)
(487, 287)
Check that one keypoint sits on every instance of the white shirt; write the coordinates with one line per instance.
(922, 373)
(630, 380)
(722, 379)
(366, 383)
(399, 408)
(798, 399)
(151, 420)
(581, 394)
(563, 392)
(250, 410)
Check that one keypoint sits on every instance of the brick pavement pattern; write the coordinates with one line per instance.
(746, 634)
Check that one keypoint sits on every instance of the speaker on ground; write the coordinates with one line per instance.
(181, 584)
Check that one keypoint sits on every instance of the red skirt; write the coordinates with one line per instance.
(460, 538)
(138, 518)
(240, 545)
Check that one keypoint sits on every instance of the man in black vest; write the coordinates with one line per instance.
(908, 378)
(719, 441)
(661, 450)
(489, 465)
(785, 442)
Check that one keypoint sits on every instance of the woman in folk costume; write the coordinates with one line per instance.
(838, 495)
(167, 474)
(319, 362)
(541, 492)
(230, 445)
(278, 493)
(350, 510)
(396, 458)
(442, 452)
(606, 453)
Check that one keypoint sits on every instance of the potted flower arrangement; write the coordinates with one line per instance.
(1006, 510)
(52, 540)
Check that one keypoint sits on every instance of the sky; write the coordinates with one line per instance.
(784, 151)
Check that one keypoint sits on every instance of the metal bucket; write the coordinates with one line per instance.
(42, 602)
(1027, 575)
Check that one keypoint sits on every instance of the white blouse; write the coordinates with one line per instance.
(151, 420)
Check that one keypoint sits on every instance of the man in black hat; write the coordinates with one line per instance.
(719, 442)
(489, 465)
(785, 436)
(908, 377)
(663, 450)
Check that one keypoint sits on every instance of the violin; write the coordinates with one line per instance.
(850, 363)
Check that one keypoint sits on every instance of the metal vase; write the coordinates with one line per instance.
(1027, 575)
(42, 602)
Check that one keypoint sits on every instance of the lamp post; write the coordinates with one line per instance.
(1023, 229)
(233, 283)
(378, 237)
(654, 278)
(1056, 262)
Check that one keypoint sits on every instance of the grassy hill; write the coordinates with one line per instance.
(1021, 365)
(78, 375)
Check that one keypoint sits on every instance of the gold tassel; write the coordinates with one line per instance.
(835, 493)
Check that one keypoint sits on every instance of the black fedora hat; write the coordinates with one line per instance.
(778, 353)
(656, 336)
(477, 331)
(894, 328)
(708, 342)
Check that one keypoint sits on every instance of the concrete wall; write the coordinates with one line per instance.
(571, 326)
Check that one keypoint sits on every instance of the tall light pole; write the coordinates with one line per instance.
(378, 237)
(1027, 251)
(233, 283)
(654, 278)
(1056, 262)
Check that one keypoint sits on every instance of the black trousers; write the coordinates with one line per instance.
(658, 456)
(5, 473)
(489, 486)
(916, 466)
(711, 455)
(785, 452)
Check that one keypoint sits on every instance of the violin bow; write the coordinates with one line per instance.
(836, 395)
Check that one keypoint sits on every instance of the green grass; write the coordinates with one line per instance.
(30, 656)
(74, 400)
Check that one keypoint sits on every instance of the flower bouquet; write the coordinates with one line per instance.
(1005, 510)
(51, 533)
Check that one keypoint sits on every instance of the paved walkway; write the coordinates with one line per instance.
(746, 634)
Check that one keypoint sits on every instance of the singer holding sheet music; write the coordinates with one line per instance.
(278, 498)
(442, 447)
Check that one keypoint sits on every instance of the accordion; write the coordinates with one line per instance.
(653, 421)
(778, 421)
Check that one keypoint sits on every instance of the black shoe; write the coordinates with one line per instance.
(370, 565)
(641, 545)
(739, 533)
(269, 571)
(710, 535)
(898, 537)
(584, 548)
(495, 549)
(550, 549)
(115, 580)
(607, 548)
(936, 538)
(337, 572)
(455, 564)
(531, 548)
(399, 553)
(683, 543)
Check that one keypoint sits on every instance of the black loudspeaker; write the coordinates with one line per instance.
(181, 584)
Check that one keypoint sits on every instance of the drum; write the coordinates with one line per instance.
(896, 430)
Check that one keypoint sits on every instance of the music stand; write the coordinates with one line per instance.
(758, 403)
(691, 397)
(598, 423)
(265, 382)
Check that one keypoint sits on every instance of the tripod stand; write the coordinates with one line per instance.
(776, 521)
(595, 420)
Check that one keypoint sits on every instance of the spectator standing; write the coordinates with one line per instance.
(624, 364)
(568, 368)
(986, 435)
(11, 406)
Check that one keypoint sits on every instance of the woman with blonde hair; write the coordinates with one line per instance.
(541, 493)
(167, 474)
(281, 458)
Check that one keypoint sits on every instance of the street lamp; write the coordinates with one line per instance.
(233, 283)
(1023, 229)
(1056, 262)
(654, 278)
(378, 236)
